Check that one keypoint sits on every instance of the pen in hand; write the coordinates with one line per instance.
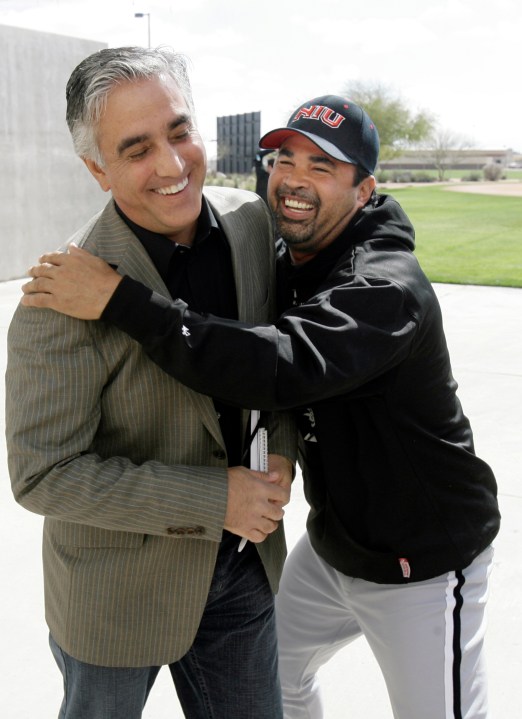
(258, 453)
(242, 544)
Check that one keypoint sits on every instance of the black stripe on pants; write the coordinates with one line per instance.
(457, 651)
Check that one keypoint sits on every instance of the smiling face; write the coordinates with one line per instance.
(312, 196)
(154, 158)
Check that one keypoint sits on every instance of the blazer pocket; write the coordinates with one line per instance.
(69, 534)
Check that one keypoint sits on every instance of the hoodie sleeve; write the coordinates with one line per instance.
(353, 330)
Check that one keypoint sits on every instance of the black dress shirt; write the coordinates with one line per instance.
(202, 276)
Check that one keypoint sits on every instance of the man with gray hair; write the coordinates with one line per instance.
(402, 510)
(143, 483)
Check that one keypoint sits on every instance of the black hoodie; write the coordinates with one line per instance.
(396, 491)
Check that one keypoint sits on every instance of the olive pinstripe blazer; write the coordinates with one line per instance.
(126, 464)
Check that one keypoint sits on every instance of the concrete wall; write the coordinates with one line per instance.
(46, 191)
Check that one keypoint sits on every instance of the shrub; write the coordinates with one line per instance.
(405, 176)
(422, 176)
(244, 182)
(401, 176)
(492, 171)
(471, 177)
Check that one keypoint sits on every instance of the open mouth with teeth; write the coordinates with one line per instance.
(172, 189)
(297, 204)
(294, 208)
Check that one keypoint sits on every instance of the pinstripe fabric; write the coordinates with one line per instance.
(124, 462)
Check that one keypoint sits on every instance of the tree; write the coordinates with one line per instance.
(398, 127)
(445, 149)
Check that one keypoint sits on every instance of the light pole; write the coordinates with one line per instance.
(147, 15)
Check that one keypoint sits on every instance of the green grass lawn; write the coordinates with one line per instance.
(465, 238)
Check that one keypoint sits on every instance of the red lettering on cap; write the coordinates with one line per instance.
(316, 114)
(320, 112)
(305, 112)
(327, 118)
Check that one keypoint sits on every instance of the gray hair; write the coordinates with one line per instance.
(94, 78)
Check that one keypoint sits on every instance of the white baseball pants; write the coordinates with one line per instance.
(426, 636)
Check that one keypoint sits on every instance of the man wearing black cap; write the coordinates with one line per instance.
(402, 511)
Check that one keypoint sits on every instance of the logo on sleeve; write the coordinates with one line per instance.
(308, 430)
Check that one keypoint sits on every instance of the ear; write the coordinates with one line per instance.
(98, 173)
(365, 189)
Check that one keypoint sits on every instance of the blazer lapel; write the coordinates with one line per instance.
(113, 240)
(238, 225)
(244, 277)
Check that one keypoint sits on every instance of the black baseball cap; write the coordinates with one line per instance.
(337, 125)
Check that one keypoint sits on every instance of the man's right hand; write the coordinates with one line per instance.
(255, 503)
(74, 283)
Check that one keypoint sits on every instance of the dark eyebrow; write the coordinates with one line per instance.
(137, 139)
(129, 142)
(182, 119)
(322, 159)
(317, 159)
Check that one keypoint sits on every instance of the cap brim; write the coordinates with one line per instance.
(275, 138)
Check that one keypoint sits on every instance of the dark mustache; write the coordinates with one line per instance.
(299, 194)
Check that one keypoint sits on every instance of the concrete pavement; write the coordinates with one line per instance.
(484, 330)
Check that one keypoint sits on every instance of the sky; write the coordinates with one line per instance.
(458, 60)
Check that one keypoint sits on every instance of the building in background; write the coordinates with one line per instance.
(464, 159)
(47, 192)
(238, 142)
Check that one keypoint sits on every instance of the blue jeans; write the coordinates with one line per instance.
(230, 672)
